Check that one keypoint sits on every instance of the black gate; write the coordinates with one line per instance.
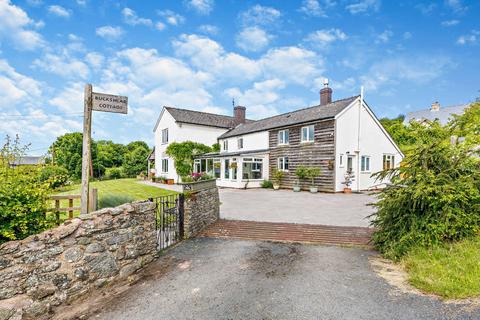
(169, 220)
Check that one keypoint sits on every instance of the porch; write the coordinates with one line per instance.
(235, 170)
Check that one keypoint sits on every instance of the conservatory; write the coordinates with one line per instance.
(234, 170)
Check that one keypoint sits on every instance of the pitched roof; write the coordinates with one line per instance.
(443, 115)
(202, 118)
(314, 113)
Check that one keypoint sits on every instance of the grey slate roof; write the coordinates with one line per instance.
(291, 118)
(202, 118)
(443, 115)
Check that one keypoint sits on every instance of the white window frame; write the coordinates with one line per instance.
(365, 164)
(388, 158)
(340, 161)
(240, 143)
(309, 139)
(225, 145)
(165, 136)
(281, 164)
(164, 165)
(284, 137)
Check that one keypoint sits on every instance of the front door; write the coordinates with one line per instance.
(350, 163)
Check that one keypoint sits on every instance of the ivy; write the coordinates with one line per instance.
(183, 154)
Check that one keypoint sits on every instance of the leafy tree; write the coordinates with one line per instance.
(216, 147)
(435, 194)
(22, 195)
(136, 158)
(400, 133)
(109, 155)
(183, 154)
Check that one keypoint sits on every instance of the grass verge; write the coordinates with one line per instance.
(451, 271)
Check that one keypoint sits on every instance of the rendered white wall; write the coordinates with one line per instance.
(373, 142)
(180, 132)
(251, 141)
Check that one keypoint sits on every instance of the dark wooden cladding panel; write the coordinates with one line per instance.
(319, 153)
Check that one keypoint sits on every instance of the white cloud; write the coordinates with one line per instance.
(363, 6)
(14, 26)
(208, 29)
(209, 56)
(15, 88)
(95, 59)
(70, 99)
(450, 23)
(171, 17)
(407, 35)
(59, 11)
(82, 2)
(392, 71)
(456, 5)
(63, 65)
(201, 6)
(322, 38)
(384, 37)
(109, 33)
(292, 64)
(314, 8)
(160, 26)
(253, 39)
(470, 38)
(130, 17)
(260, 15)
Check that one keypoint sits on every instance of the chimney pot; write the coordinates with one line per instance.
(325, 93)
(435, 106)
(239, 115)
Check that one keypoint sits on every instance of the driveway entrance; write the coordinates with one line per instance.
(286, 206)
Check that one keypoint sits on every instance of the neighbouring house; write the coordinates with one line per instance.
(436, 112)
(29, 161)
(339, 136)
(179, 125)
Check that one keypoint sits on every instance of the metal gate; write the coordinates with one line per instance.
(168, 219)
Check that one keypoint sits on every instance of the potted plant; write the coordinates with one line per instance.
(300, 172)
(277, 179)
(312, 173)
(349, 178)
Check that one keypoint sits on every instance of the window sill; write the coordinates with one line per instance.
(307, 142)
(283, 144)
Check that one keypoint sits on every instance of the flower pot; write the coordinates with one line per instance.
(296, 188)
(276, 186)
(169, 181)
(313, 189)
(347, 190)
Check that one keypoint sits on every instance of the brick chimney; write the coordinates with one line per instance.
(435, 106)
(239, 115)
(325, 93)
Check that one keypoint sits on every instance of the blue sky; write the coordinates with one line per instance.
(270, 56)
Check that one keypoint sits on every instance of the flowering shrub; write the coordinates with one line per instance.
(197, 176)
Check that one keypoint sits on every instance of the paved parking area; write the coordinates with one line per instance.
(296, 207)
(207, 278)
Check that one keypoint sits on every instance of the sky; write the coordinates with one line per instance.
(270, 56)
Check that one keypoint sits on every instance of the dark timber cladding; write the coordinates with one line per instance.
(320, 153)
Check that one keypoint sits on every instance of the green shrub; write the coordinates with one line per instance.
(115, 173)
(267, 184)
(114, 200)
(54, 176)
(434, 196)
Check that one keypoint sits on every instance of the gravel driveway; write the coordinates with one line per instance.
(229, 279)
(336, 209)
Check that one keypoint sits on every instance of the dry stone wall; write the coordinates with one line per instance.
(202, 208)
(58, 266)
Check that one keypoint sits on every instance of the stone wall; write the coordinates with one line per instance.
(201, 209)
(58, 266)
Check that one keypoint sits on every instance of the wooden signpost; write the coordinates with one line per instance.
(97, 102)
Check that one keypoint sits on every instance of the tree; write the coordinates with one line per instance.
(400, 133)
(135, 159)
(435, 194)
(183, 154)
(109, 155)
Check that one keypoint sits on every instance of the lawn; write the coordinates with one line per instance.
(128, 189)
(451, 271)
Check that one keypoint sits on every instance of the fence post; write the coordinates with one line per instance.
(57, 211)
(92, 202)
(181, 214)
(70, 205)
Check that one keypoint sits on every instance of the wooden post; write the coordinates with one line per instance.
(57, 211)
(70, 205)
(87, 128)
(93, 200)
